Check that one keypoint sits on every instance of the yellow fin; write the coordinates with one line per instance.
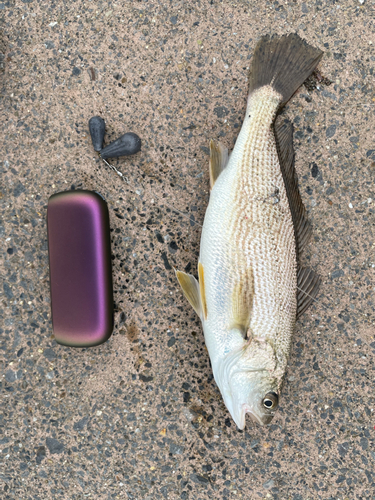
(202, 289)
(242, 302)
(218, 161)
(190, 287)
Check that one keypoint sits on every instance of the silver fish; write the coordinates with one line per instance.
(251, 288)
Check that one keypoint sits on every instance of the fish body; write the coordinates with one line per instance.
(249, 260)
(253, 230)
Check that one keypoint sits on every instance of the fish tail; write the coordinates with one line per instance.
(284, 63)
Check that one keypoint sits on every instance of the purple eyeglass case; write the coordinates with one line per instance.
(80, 268)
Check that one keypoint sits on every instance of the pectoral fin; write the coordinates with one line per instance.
(190, 287)
(202, 289)
(218, 161)
(242, 303)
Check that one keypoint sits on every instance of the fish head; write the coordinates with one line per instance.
(253, 393)
(249, 386)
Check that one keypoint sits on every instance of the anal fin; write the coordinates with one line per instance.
(190, 287)
(218, 161)
(308, 283)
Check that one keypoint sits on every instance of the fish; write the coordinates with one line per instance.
(251, 287)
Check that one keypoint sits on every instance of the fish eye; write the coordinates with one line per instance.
(270, 400)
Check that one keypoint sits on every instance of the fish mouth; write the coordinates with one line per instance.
(240, 418)
(262, 420)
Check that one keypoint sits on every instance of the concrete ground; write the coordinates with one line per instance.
(140, 417)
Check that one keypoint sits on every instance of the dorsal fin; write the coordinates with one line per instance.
(308, 283)
(284, 142)
(190, 287)
(218, 161)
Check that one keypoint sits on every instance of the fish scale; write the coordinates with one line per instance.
(254, 227)
(263, 230)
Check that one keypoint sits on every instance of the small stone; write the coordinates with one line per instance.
(221, 111)
(49, 354)
(343, 449)
(176, 449)
(173, 247)
(171, 342)
(10, 376)
(331, 131)
(19, 189)
(7, 290)
(269, 484)
(196, 478)
(166, 262)
(40, 454)
(337, 274)
(314, 170)
(54, 445)
(364, 443)
(78, 426)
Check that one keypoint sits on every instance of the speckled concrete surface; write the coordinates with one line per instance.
(140, 417)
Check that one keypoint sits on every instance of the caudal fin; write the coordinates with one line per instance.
(284, 63)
